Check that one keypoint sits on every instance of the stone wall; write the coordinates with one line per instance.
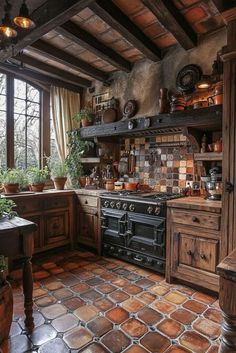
(146, 78)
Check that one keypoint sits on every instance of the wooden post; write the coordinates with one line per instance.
(227, 297)
(229, 142)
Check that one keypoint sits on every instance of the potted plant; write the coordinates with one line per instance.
(58, 171)
(85, 116)
(77, 148)
(11, 180)
(37, 178)
(6, 301)
(6, 208)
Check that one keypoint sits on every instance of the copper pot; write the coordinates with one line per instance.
(131, 186)
(218, 99)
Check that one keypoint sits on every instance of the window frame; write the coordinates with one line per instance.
(44, 122)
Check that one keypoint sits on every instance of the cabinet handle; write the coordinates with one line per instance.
(195, 219)
(86, 202)
(190, 253)
(203, 256)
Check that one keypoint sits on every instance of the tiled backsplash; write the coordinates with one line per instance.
(165, 163)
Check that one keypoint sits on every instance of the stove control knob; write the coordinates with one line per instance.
(112, 249)
(149, 261)
(125, 206)
(106, 203)
(149, 209)
(120, 251)
(157, 210)
(118, 205)
(131, 207)
(129, 254)
(112, 204)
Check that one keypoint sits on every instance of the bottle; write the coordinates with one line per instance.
(132, 161)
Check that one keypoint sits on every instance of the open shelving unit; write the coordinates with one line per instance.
(208, 156)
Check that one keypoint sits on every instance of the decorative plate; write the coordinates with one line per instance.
(130, 109)
(188, 77)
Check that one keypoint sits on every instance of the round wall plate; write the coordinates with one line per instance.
(188, 77)
(130, 108)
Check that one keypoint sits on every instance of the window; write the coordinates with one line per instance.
(26, 125)
(21, 143)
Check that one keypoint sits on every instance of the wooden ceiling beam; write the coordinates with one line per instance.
(112, 15)
(171, 18)
(54, 53)
(224, 5)
(38, 77)
(49, 15)
(53, 71)
(79, 36)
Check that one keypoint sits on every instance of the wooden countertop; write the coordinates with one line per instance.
(90, 192)
(196, 203)
(227, 267)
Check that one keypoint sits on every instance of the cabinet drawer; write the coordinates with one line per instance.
(56, 202)
(88, 201)
(197, 219)
(27, 206)
(198, 252)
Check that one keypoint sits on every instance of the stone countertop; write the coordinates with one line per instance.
(196, 203)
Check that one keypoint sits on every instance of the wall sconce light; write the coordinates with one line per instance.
(204, 82)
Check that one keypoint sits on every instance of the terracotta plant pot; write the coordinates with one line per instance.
(11, 188)
(6, 311)
(86, 122)
(82, 181)
(59, 183)
(37, 187)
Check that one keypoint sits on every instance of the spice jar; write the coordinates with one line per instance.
(109, 184)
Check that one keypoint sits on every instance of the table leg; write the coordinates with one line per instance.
(28, 294)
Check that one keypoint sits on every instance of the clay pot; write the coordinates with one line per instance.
(219, 88)
(85, 122)
(11, 188)
(59, 183)
(82, 181)
(37, 187)
(110, 185)
(217, 146)
(163, 101)
(131, 186)
(6, 311)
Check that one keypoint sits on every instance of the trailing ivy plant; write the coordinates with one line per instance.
(77, 148)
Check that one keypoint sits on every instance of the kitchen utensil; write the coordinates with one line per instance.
(130, 109)
(214, 190)
(131, 186)
(188, 77)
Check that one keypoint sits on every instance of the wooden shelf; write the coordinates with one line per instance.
(204, 119)
(90, 160)
(208, 156)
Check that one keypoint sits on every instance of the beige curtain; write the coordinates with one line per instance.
(64, 105)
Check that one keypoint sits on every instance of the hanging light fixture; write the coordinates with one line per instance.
(6, 27)
(23, 20)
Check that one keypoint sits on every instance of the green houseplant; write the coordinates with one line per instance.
(37, 178)
(85, 116)
(6, 208)
(58, 171)
(77, 148)
(11, 180)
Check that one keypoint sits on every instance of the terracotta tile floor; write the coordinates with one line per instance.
(87, 304)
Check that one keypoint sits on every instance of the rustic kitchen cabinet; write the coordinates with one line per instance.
(194, 246)
(53, 212)
(88, 218)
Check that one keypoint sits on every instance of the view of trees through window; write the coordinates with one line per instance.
(26, 125)
(25, 101)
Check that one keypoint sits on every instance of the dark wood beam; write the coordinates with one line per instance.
(171, 18)
(53, 71)
(224, 5)
(51, 14)
(51, 52)
(113, 16)
(38, 77)
(78, 35)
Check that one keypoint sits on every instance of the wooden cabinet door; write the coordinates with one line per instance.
(186, 249)
(88, 226)
(56, 227)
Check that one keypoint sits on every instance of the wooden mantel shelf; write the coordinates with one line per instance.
(203, 119)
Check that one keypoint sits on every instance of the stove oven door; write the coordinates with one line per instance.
(113, 226)
(146, 234)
